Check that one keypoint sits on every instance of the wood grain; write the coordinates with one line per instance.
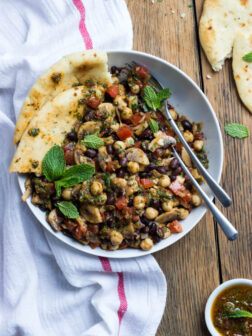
(235, 257)
(191, 265)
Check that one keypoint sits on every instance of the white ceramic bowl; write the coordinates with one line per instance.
(188, 99)
(213, 296)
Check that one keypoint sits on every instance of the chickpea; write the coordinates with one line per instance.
(119, 182)
(126, 113)
(129, 142)
(119, 145)
(164, 181)
(167, 206)
(175, 202)
(67, 194)
(198, 145)
(135, 88)
(133, 167)
(151, 213)
(119, 102)
(139, 202)
(106, 109)
(188, 136)
(196, 200)
(146, 244)
(173, 114)
(115, 80)
(167, 233)
(121, 90)
(183, 213)
(115, 237)
(129, 191)
(96, 188)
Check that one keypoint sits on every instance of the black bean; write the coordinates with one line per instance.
(130, 203)
(155, 204)
(110, 219)
(158, 152)
(173, 178)
(145, 229)
(146, 134)
(117, 151)
(109, 149)
(177, 171)
(72, 136)
(123, 162)
(145, 174)
(150, 167)
(120, 173)
(186, 125)
(156, 239)
(90, 153)
(144, 220)
(174, 163)
(110, 200)
(160, 233)
(162, 170)
(153, 228)
(114, 69)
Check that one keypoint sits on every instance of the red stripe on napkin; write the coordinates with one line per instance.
(82, 27)
(120, 289)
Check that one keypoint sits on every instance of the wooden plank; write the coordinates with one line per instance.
(191, 265)
(237, 174)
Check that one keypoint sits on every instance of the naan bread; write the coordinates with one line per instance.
(71, 69)
(243, 70)
(225, 30)
(56, 118)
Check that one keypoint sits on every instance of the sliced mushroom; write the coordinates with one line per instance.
(89, 127)
(137, 155)
(91, 213)
(186, 158)
(79, 156)
(28, 190)
(36, 200)
(168, 216)
(76, 190)
(54, 220)
(103, 157)
(141, 127)
(161, 140)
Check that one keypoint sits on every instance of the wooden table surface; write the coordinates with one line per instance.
(204, 258)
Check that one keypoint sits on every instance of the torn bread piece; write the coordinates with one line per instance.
(243, 70)
(48, 128)
(71, 69)
(220, 22)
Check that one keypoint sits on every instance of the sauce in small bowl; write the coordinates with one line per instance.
(230, 299)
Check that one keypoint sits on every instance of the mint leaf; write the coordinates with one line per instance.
(107, 180)
(93, 141)
(247, 57)
(54, 163)
(239, 313)
(237, 130)
(150, 97)
(68, 209)
(153, 125)
(73, 176)
(162, 95)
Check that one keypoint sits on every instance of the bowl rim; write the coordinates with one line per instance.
(238, 281)
(140, 253)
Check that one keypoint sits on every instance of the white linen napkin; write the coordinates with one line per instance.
(48, 288)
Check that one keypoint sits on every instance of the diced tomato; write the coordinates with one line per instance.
(142, 71)
(135, 119)
(124, 132)
(179, 146)
(93, 245)
(121, 203)
(184, 203)
(179, 190)
(113, 91)
(146, 183)
(198, 136)
(170, 132)
(93, 228)
(112, 166)
(147, 117)
(71, 226)
(94, 102)
(175, 227)
(79, 232)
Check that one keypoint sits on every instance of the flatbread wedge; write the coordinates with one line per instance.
(220, 22)
(48, 128)
(243, 70)
(71, 69)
